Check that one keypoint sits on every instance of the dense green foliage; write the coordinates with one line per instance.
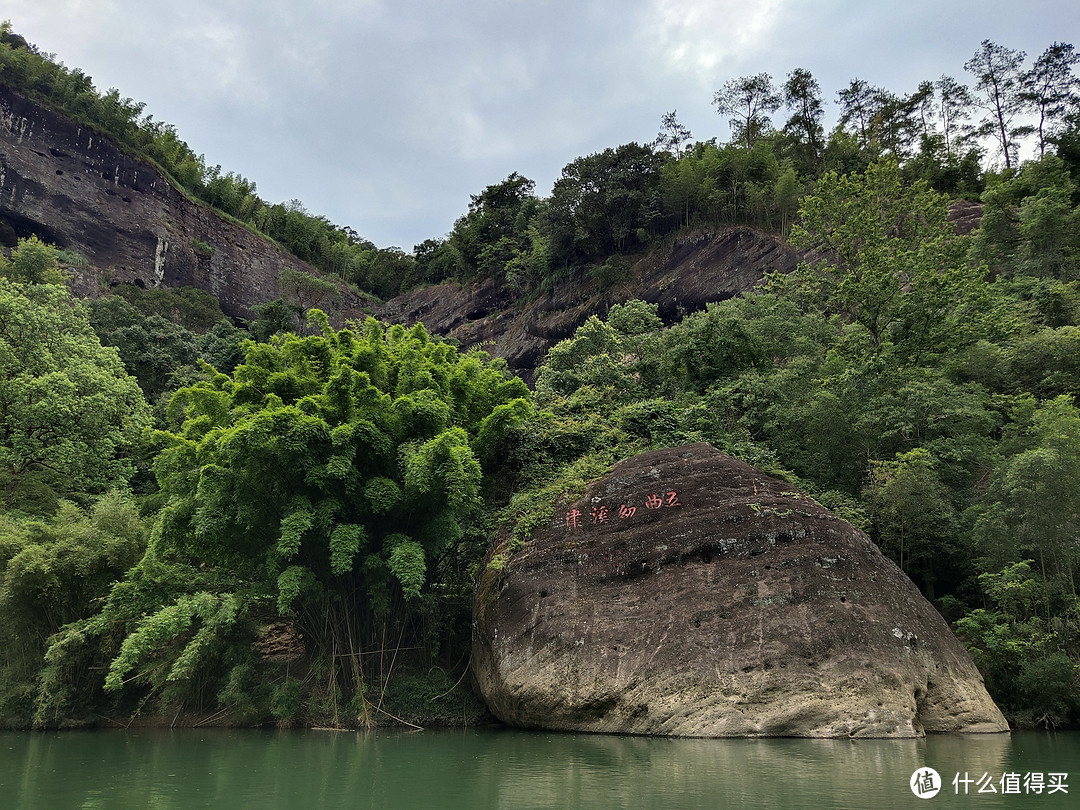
(160, 351)
(335, 481)
(52, 571)
(70, 417)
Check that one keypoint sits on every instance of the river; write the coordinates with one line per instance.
(497, 768)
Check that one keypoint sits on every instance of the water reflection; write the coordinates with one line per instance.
(504, 768)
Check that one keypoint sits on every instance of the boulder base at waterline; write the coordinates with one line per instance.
(689, 594)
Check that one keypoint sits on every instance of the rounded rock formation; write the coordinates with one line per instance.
(689, 594)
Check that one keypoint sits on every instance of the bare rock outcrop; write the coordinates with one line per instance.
(682, 275)
(72, 186)
(965, 215)
(689, 594)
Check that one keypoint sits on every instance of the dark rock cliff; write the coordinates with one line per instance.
(683, 275)
(75, 188)
(688, 594)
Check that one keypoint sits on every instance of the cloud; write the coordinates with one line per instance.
(700, 38)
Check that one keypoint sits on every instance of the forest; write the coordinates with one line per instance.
(280, 521)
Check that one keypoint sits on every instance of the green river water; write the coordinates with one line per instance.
(504, 768)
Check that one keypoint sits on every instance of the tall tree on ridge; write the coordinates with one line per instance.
(999, 75)
(894, 125)
(954, 108)
(672, 135)
(859, 102)
(1051, 88)
(802, 95)
(751, 100)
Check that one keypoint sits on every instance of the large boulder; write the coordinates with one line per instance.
(687, 593)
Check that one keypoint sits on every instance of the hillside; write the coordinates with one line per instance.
(75, 188)
(247, 525)
(680, 276)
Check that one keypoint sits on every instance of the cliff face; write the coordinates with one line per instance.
(688, 594)
(73, 187)
(684, 275)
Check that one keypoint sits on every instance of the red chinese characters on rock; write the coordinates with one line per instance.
(573, 518)
(602, 514)
(661, 501)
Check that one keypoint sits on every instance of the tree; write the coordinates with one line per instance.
(1050, 228)
(859, 103)
(921, 103)
(330, 480)
(672, 135)
(305, 290)
(54, 571)
(68, 410)
(802, 95)
(897, 124)
(890, 261)
(600, 204)
(786, 198)
(32, 262)
(707, 347)
(612, 356)
(954, 108)
(938, 111)
(1029, 223)
(119, 116)
(1051, 88)
(1032, 505)
(684, 183)
(913, 516)
(743, 181)
(493, 233)
(750, 99)
(999, 75)
(153, 349)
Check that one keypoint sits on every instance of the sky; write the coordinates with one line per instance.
(386, 115)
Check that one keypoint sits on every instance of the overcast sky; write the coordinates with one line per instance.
(385, 115)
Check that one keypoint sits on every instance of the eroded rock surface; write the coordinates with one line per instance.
(683, 275)
(689, 594)
(73, 187)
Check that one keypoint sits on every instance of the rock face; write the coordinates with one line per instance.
(689, 594)
(685, 274)
(73, 187)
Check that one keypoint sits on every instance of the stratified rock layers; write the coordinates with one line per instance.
(689, 594)
(684, 274)
(73, 187)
